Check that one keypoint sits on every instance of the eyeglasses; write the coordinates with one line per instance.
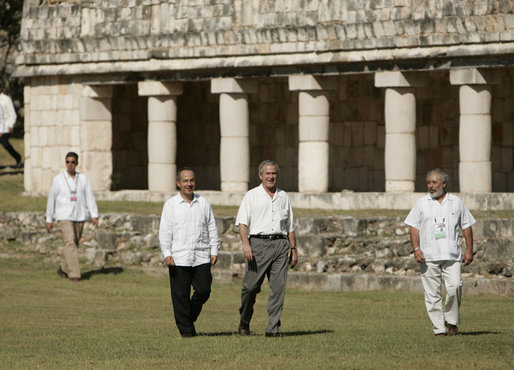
(73, 162)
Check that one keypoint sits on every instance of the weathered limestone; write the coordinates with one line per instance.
(96, 134)
(400, 127)
(234, 129)
(475, 172)
(313, 131)
(162, 133)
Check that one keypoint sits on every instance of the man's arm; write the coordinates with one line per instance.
(414, 240)
(166, 234)
(468, 254)
(247, 248)
(294, 252)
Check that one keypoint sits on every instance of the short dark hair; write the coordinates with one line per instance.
(72, 154)
(184, 169)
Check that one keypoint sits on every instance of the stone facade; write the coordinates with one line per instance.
(334, 251)
(363, 96)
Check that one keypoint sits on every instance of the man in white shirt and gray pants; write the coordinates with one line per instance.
(189, 243)
(434, 222)
(71, 198)
(265, 220)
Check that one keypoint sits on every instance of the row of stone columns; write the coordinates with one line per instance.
(314, 118)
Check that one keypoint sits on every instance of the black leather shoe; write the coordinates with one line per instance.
(452, 329)
(62, 274)
(274, 335)
(244, 329)
(187, 335)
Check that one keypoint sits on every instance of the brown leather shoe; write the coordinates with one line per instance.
(244, 329)
(452, 329)
(62, 274)
(274, 335)
(440, 335)
(75, 280)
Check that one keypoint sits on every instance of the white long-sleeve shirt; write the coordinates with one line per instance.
(7, 114)
(264, 215)
(64, 187)
(188, 232)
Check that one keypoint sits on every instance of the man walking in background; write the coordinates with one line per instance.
(265, 220)
(189, 243)
(71, 199)
(7, 121)
(434, 221)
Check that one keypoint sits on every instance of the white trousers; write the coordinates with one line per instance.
(431, 273)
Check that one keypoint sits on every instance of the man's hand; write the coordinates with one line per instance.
(247, 252)
(419, 256)
(169, 261)
(49, 227)
(468, 257)
(94, 221)
(294, 257)
(214, 259)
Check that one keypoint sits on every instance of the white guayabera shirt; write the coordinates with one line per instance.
(427, 213)
(188, 232)
(71, 199)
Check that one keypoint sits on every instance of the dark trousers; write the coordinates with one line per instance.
(4, 140)
(186, 307)
(271, 260)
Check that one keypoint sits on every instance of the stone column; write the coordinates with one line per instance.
(475, 173)
(96, 136)
(162, 133)
(400, 129)
(234, 131)
(313, 131)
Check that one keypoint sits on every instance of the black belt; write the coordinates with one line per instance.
(269, 237)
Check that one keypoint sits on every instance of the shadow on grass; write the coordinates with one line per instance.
(479, 332)
(103, 271)
(286, 334)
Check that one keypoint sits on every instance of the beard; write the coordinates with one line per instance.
(437, 194)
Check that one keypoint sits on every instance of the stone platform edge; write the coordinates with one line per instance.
(348, 282)
(345, 200)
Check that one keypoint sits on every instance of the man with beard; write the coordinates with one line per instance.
(434, 221)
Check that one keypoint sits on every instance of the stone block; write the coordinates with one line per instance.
(157, 88)
(309, 82)
(474, 76)
(96, 135)
(93, 109)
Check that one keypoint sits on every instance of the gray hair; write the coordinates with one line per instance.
(183, 169)
(268, 162)
(442, 175)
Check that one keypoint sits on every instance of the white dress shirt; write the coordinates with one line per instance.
(453, 213)
(264, 215)
(188, 232)
(7, 114)
(64, 187)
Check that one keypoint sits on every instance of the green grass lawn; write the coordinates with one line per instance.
(125, 320)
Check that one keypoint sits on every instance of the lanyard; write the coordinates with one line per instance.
(437, 212)
(76, 183)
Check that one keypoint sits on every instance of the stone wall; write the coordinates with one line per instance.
(130, 30)
(369, 249)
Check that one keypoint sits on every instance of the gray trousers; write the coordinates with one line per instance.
(271, 259)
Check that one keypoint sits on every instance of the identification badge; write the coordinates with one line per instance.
(440, 230)
(73, 196)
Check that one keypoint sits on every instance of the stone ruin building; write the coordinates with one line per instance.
(358, 95)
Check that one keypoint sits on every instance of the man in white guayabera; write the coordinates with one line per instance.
(434, 222)
(72, 201)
